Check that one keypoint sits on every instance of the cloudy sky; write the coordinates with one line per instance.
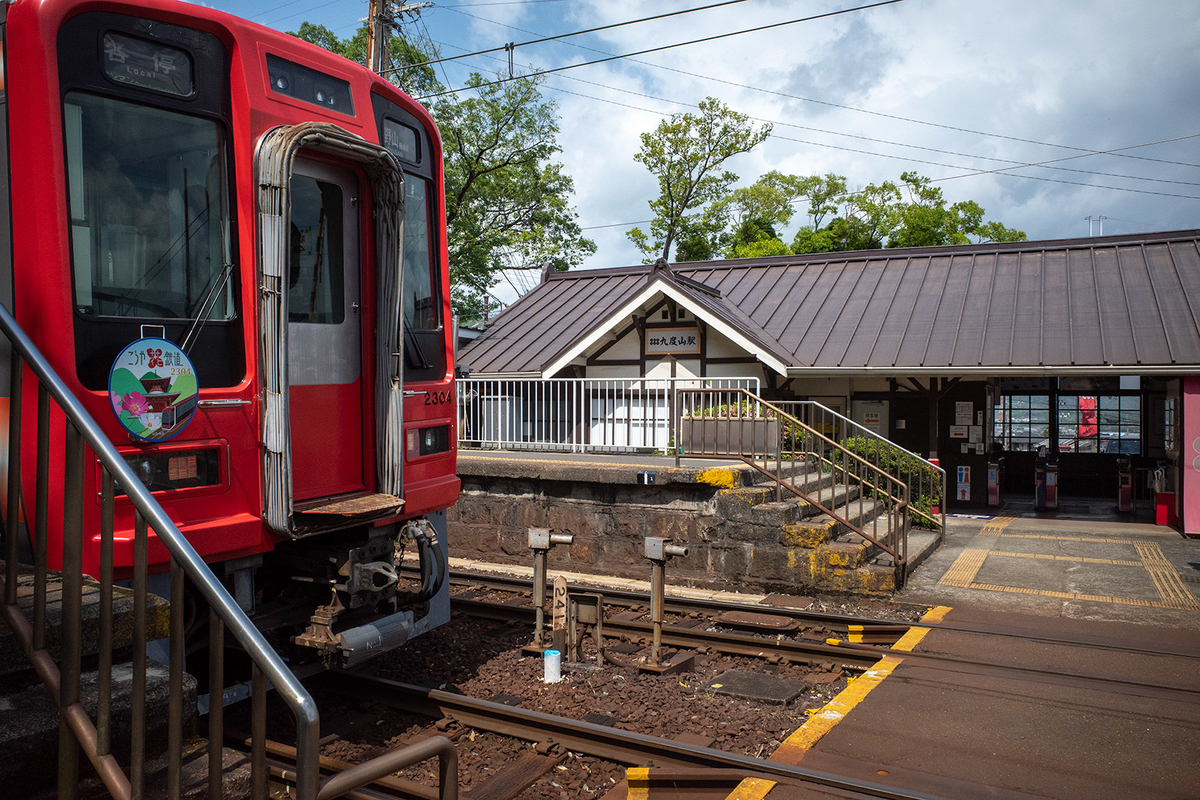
(962, 92)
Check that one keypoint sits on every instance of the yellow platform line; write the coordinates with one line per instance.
(1170, 587)
(638, 779)
(823, 721)
(752, 789)
(964, 569)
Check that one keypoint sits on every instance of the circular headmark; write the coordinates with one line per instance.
(153, 389)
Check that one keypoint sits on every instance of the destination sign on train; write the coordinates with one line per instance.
(147, 65)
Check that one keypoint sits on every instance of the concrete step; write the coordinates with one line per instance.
(12, 658)
(29, 725)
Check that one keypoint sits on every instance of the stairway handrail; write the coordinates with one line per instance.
(286, 684)
(880, 437)
(898, 529)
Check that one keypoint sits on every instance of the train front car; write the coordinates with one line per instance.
(231, 245)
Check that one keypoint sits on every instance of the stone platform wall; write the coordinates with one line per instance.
(739, 537)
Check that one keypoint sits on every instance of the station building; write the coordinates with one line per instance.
(1088, 349)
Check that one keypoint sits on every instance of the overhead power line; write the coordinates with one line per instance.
(509, 47)
(673, 46)
(908, 159)
(1084, 151)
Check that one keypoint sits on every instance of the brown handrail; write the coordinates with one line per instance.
(853, 470)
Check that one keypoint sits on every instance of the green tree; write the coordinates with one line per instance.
(507, 200)
(686, 153)
(879, 215)
(407, 70)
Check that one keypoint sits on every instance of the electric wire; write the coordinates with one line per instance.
(675, 45)
(1083, 150)
(971, 171)
(513, 45)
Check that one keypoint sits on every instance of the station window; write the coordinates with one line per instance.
(1100, 423)
(1022, 422)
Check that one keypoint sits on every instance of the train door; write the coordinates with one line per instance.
(324, 333)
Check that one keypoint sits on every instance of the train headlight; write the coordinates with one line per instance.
(176, 469)
(427, 441)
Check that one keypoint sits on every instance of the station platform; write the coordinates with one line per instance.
(1088, 564)
(971, 730)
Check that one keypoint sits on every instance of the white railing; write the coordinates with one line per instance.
(604, 415)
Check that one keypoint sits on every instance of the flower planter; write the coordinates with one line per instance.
(725, 436)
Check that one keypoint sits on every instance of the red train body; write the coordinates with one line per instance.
(140, 143)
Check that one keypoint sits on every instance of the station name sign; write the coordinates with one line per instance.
(672, 340)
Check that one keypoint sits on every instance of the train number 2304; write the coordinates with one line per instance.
(437, 398)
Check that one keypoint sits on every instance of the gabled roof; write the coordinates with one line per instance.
(1117, 304)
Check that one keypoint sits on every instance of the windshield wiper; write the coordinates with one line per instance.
(210, 302)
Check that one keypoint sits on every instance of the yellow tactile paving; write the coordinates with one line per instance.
(1095, 598)
(1166, 579)
(1079, 559)
(1170, 588)
(964, 569)
(1087, 539)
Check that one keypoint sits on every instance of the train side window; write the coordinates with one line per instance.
(149, 207)
(420, 289)
(316, 268)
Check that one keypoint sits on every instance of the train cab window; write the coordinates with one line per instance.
(316, 268)
(149, 211)
(420, 306)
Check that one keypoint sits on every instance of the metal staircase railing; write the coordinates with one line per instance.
(800, 459)
(62, 677)
(926, 480)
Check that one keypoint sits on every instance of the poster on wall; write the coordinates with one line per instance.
(964, 412)
(959, 431)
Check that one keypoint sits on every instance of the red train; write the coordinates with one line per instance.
(231, 246)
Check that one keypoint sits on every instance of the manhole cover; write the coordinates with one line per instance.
(763, 622)
(757, 686)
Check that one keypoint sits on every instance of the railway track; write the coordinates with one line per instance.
(850, 653)
(693, 764)
(859, 629)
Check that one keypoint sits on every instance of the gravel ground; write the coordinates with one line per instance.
(482, 659)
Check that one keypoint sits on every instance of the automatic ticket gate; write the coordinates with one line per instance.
(1124, 484)
(1045, 483)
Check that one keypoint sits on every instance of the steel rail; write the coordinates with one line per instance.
(600, 741)
(677, 604)
(999, 665)
(736, 644)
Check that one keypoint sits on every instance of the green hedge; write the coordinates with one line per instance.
(925, 483)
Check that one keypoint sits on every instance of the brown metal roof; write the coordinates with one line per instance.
(1100, 303)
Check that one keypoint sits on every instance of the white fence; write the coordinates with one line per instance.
(575, 414)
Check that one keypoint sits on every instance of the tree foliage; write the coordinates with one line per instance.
(686, 153)
(507, 200)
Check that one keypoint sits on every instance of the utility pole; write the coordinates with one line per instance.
(381, 18)
(379, 34)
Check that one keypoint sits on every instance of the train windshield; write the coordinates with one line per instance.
(149, 211)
